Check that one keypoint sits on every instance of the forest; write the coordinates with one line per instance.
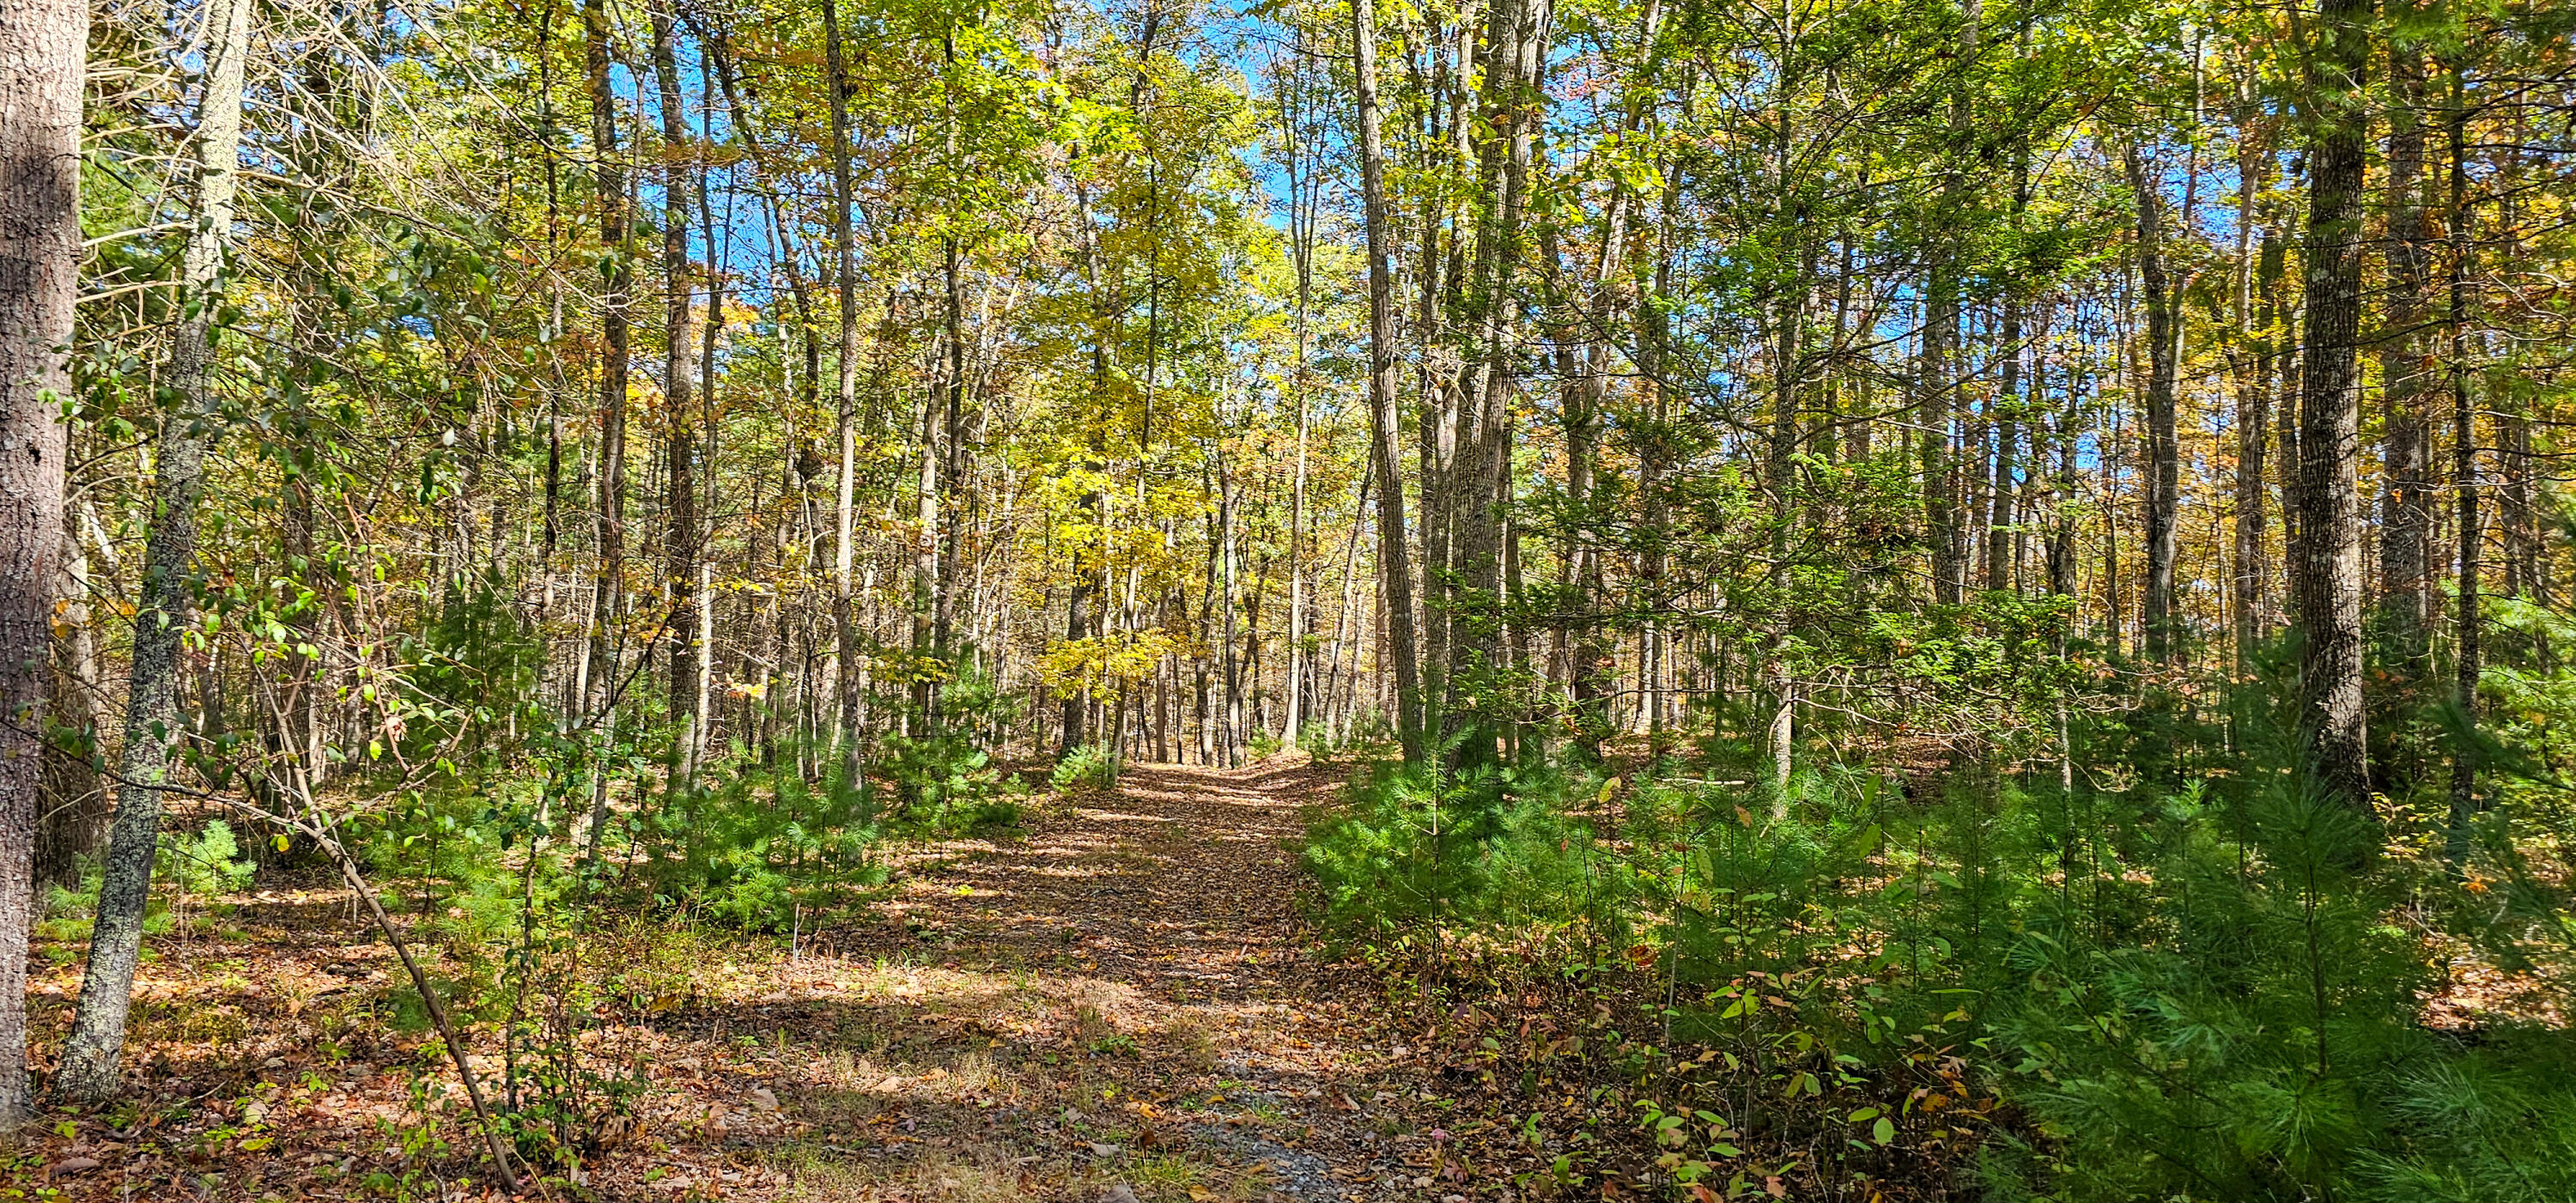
(965, 600)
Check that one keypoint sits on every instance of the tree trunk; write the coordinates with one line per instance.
(2000, 514)
(43, 46)
(88, 1070)
(680, 435)
(1512, 101)
(846, 279)
(2464, 479)
(2164, 447)
(1394, 570)
(599, 668)
(1941, 395)
(2258, 303)
(2334, 727)
(2406, 443)
(74, 799)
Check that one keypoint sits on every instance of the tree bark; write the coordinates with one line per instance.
(1394, 568)
(846, 278)
(1512, 99)
(2406, 445)
(43, 47)
(2334, 727)
(599, 670)
(680, 433)
(2464, 479)
(2164, 447)
(88, 1070)
(74, 799)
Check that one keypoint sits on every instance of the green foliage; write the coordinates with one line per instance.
(1494, 844)
(2210, 992)
(1089, 767)
(205, 865)
(477, 664)
(944, 778)
(749, 851)
(69, 912)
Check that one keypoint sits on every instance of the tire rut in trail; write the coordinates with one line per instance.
(1125, 996)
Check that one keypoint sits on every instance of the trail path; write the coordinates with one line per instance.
(1118, 1003)
(1125, 999)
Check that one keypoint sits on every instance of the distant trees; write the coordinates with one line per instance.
(1828, 382)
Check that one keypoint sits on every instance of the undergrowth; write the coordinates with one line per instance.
(1988, 985)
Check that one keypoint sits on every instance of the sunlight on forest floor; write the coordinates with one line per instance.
(1123, 997)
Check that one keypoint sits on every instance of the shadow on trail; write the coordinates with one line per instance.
(1124, 996)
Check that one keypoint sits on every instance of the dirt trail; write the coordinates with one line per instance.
(1126, 997)
(1120, 1001)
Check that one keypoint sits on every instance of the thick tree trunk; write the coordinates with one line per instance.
(88, 1070)
(2333, 723)
(1394, 570)
(43, 46)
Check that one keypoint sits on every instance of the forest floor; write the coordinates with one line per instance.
(1121, 1000)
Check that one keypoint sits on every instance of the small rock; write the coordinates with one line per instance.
(81, 1165)
(1103, 1151)
(1121, 1193)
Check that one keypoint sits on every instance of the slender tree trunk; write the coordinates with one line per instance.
(2260, 313)
(2406, 443)
(2000, 515)
(2061, 538)
(1942, 398)
(599, 671)
(2407, 480)
(846, 279)
(74, 798)
(88, 1070)
(2334, 725)
(43, 46)
(2464, 479)
(2291, 463)
(1512, 107)
(2164, 447)
(679, 413)
(1394, 571)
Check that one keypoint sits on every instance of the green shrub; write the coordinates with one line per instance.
(1494, 845)
(205, 865)
(1088, 767)
(749, 850)
(2206, 992)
